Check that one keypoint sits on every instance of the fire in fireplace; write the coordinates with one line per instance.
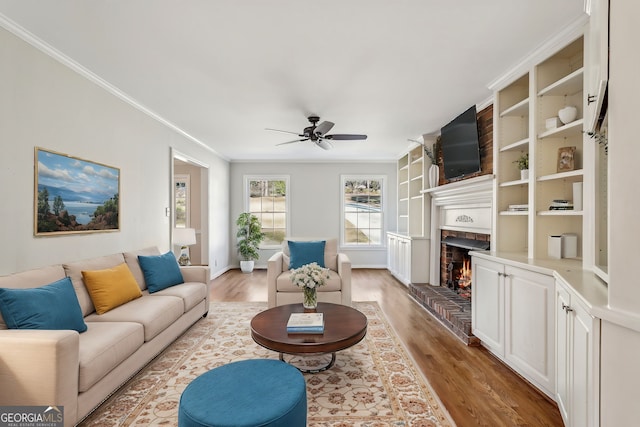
(456, 262)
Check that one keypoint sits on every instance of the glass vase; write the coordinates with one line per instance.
(310, 298)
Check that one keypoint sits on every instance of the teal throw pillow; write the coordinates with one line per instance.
(303, 253)
(54, 307)
(160, 271)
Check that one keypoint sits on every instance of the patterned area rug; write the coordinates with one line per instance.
(373, 384)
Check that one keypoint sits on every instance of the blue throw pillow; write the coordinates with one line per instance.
(54, 307)
(305, 253)
(160, 271)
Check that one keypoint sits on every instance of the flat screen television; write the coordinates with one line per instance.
(461, 146)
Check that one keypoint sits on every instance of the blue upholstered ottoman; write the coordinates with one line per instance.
(260, 392)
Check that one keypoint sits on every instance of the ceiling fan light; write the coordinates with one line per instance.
(324, 144)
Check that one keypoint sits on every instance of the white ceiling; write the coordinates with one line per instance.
(224, 70)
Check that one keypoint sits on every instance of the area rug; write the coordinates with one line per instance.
(372, 384)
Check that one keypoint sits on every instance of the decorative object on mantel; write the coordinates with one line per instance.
(568, 114)
(249, 237)
(434, 169)
(310, 277)
(523, 165)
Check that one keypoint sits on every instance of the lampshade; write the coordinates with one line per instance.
(184, 236)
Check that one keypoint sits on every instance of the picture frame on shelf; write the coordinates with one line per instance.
(566, 159)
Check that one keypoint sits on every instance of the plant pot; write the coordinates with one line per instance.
(524, 174)
(246, 266)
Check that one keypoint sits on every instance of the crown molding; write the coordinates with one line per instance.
(49, 50)
(544, 50)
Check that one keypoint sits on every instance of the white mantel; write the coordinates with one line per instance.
(461, 206)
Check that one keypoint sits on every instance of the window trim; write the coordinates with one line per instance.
(287, 202)
(383, 225)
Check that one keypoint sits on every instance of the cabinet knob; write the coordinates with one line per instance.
(566, 308)
(591, 98)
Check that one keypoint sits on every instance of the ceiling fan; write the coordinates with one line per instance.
(317, 133)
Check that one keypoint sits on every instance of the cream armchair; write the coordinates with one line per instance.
(282, 291)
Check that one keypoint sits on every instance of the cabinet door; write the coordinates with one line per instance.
(404, 267)
(530, 326)
(392, 254)
(584, 389)
(562, 352)
(487, 304)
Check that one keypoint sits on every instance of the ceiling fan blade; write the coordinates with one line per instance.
(325, 145)
(284, 131)
(345, 137)
(294, 141)
(323, 128)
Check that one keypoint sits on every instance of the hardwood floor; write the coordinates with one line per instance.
(476, 388)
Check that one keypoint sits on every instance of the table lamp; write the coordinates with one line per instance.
(184, 237)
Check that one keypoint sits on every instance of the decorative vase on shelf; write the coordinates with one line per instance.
(434, 175)
(524, 174)
(310, 299)
(568, 114)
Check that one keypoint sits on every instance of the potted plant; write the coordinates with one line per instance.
(523, 165)
(249, 237)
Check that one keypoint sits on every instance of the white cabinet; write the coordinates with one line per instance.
(513, 315)
(578, 355)
(408, 258)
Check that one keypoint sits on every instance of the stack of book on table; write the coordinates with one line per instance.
(561, 205)
(305, 323)
(519, 208)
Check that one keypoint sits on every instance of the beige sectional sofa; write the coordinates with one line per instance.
(80, 370)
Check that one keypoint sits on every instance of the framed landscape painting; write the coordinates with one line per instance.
(73, 195)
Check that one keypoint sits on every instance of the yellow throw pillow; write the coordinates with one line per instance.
(111, 287)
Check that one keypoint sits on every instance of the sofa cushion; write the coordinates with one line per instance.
(31, 279)
(74, 271)
(191, 293)
(306, 252)
(131, 258)
(53, 306)
(284, 283)
(161, 271)
(154, 313)
(103, 347)
(111, 287)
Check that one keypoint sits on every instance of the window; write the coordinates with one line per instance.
(182, 188)
(267, 199)
(362, 207)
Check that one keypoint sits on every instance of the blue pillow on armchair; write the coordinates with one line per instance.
(305, 253)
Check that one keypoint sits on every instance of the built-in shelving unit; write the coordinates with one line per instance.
(522, 108)
(408, 246)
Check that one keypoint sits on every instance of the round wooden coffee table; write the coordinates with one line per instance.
(343, 327)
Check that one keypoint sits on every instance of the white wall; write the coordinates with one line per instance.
(46, 104)
(315, 196)
(620, 371)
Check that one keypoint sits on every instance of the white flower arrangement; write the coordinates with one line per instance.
(309, 276)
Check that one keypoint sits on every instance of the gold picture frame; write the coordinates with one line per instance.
(73, 195)
(566, 159)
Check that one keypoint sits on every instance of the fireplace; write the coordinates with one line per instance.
(461, 218)
(455, 261)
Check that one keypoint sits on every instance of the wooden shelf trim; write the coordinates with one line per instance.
(568, 85)
(519, 109)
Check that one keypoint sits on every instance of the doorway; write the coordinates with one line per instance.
(189, 203)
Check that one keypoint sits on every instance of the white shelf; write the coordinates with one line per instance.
(514, 213)
(573, 128)
(519, 109)
(512, 183)
(562, 175)
(560, 213)
(523, 143)
(568, 85)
